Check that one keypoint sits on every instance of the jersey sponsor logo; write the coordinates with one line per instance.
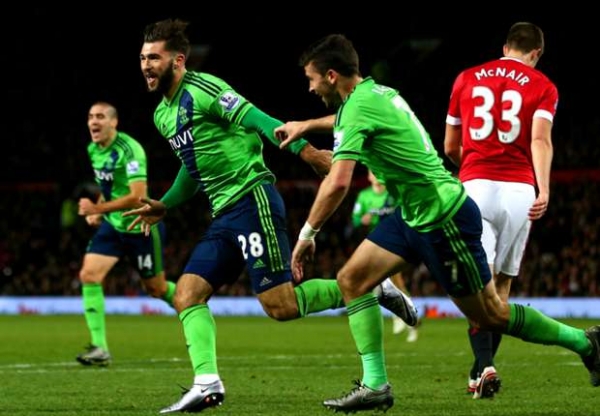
(338, 137)
(182, 139)
(133, 167)
(382, 212)
(102, 175)
(229, 101)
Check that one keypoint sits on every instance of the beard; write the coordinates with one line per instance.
(329, 95)
(163, 81)
(332, 100)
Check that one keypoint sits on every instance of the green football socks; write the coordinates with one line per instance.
(316, 295)
(200, 334)
(366, 325)
(93, 307)
(168, 296)
(531, 325)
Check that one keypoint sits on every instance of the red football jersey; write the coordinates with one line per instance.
(496, 103)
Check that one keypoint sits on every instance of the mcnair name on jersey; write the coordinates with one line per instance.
(498, 71)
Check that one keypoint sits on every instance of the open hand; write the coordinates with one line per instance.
(304, 252)
(539, 207)
(147, 215)
(290, 132)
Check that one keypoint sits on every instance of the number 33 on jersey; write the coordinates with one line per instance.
(495, 103)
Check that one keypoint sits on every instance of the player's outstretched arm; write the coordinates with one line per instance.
(318, 159)
(150, 213)
(183, 188)
(153, 211)
(259, 121)
(137, 190)
(265, 125)
(292, 131)
(331, 193)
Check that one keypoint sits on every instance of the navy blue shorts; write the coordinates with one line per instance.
(144, 253)
(453, 253)
(251, 234)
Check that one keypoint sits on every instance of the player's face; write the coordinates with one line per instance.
(102, 124)
(322, 86)
(372, 178)
(157, 66)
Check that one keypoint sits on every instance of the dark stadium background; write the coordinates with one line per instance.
(58, 60)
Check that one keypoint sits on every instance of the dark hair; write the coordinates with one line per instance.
(112, 110)
(332, 52)
(172, 31)
(525, 37)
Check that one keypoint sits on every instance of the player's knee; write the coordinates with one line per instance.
(87, 276)
(343, 279)
(183, 300)
(350, 286)
(281, 312)
(493, 320)
(191, 290)
(180, 303)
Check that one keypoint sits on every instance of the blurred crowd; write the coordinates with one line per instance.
(43, 241)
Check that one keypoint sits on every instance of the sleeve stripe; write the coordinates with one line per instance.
(202, 87)
(346, 152)
(126, 148)
(453, 121)
(544, 114)
(240, 112)
(211, 84)
(207, 84)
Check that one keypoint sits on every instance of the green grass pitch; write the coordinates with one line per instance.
(273, 368)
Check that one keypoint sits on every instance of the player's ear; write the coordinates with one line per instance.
(179, 61)
(331, 76)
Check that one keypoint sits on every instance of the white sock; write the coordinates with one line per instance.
(206, 378)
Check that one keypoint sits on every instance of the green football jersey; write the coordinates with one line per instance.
(377, 127)
(202, 126)
(370, 202)
(115, 167)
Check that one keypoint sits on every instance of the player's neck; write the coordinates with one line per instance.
(110, 139)
(347, 84)
(379, 189)
(521, 57)
(177, 77)
(518, 56)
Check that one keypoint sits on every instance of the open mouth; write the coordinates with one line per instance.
(151, 79)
